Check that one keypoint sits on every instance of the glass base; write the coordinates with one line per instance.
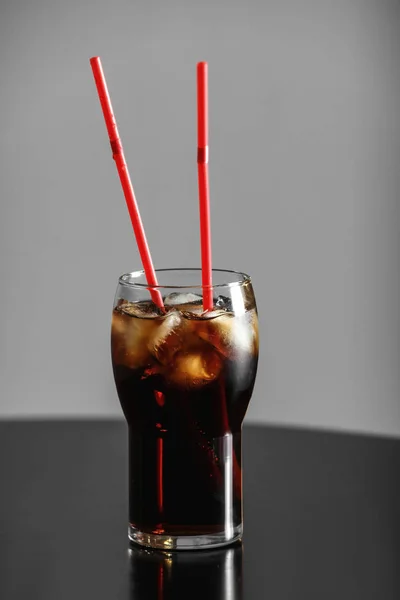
(184, 542)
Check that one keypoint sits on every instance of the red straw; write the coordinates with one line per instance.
(118, 156)
(204, 194)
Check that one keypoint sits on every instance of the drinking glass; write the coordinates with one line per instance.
(184, 377)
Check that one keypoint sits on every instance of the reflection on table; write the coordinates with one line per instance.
(209, 574)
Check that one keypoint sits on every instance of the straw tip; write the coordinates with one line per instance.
(94, 59)
(202, 65)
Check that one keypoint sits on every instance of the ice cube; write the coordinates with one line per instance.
(117, 324)
(192, 311)
(253, 317)
(213, 314)
(166, 339)
(141, 310)
(231, 335)
(190, 305)
(178, 300)
(195, 368)
(224, 303)
(129, 337)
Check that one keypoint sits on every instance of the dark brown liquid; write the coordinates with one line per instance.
(185, 441)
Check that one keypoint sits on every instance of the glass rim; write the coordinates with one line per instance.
(122, 280)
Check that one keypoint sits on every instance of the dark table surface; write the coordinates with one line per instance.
(321, 519)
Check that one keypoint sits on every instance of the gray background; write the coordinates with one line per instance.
(305, 182)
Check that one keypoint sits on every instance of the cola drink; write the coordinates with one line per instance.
(184, 378)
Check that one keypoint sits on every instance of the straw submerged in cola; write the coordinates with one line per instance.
(184, 357)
